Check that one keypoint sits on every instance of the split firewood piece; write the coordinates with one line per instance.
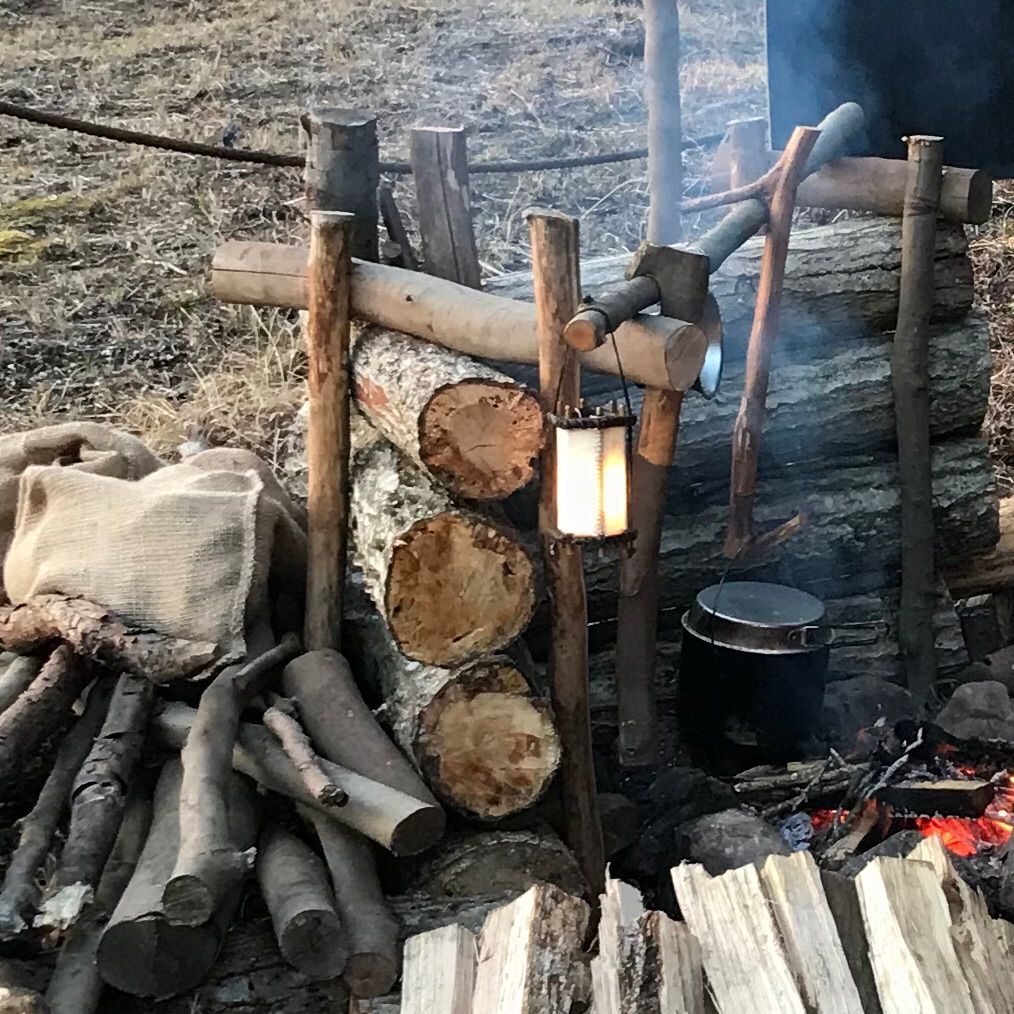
(76, 986)
(983, 958)
(843, 901)
(501, 862)
(17, 677)
(476, 430)
(482, 739)
(140, 952)
(374, 958)
(402, 824)
(908, 935)
(41, 709)
(746, 969)
(439, 974)
(647, 963)
(746, 437)
(98, 799)
(812, 945)
(294, 885)
(530, 954)
(452, 585)
(20, 894)
(322, 684)
(282, 720)
(209, 866)
(101, 636)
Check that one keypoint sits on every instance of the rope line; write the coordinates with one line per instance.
(269, 158)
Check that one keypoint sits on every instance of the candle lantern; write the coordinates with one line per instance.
(593, 474)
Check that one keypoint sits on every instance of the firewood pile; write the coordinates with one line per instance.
(903, 934)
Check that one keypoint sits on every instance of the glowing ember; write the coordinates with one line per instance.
(822, 819)
(965, 836)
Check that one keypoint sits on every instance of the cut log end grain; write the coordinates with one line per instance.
(486, 744)
(456, 587)
(482, 437)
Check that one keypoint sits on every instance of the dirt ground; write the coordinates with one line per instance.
(105, 249)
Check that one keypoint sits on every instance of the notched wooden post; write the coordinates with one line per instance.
(343, 171)
(439, 161)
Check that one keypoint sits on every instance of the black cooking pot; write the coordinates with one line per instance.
(752, 670)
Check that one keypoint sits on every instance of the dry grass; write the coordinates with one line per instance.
(103, 300)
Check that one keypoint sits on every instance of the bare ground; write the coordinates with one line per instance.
(104, 248)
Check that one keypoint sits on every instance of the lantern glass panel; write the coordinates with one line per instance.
(614, 481)
(578, 482)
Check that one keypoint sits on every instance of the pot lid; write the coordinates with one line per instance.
(758, 616)
(761, 604)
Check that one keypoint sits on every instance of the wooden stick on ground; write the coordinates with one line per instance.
(209, 865)
(637, 742)
(746, 437)
(556, 274)
(76, 986)
(19, 895)
(98, 801)
(282, 719)
(97, 634)
(327, 445)
(909, 373)
(40, 709)
(374, 953)
(396, 231)
(295, 888)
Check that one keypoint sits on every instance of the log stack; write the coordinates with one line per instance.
(829, 449)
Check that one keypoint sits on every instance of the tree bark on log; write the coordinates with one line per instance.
(852, 540)
(450, 584)
(497, 862)
(483, 741)
(374, 958)
(841, 281)
(402, 824)
(654, 350)
(324, 687)
(98, 801)
(468, 425)
(910, 380)
(821, 409)
(40, 709)
(294, 885)
(99, 635)
(140, 952)
(19, 895)
(17, 677)
(76, 986)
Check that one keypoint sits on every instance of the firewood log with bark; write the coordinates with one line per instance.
(99, 635)
(17, 677)
(476, 430)
(140, 952)
(98, 800)
(482, 739)
(451, 584)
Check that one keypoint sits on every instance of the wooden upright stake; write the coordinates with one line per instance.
(748, 156)
(343, 172)
(909, 365)
(637, 617)
(440, 169)
(556, 277)
(327, 341)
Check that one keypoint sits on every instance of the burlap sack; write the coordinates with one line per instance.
(86, 446)
(191, 552)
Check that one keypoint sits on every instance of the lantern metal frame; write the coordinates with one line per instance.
(599, 418)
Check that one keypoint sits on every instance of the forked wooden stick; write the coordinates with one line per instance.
(746, 439)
